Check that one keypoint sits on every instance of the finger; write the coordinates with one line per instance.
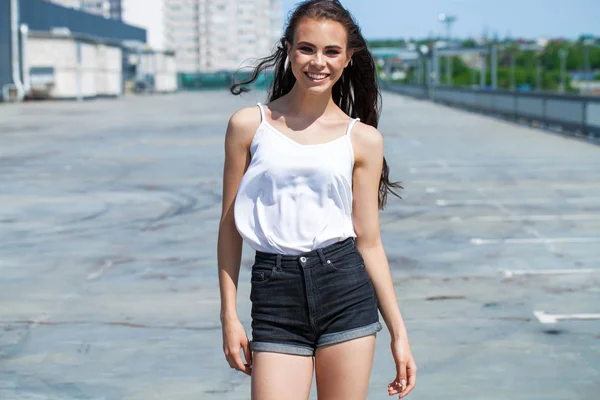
(400, 382)
(248, 357)
(412, 375)
(247, 352)
(411, 371)
(230, 360)
(237, 361)
(401, 377)
(393, 390)
(394, 387)
(228, 357)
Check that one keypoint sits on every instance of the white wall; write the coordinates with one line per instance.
(166, 73)
(108, 70)
(99, 72)
(88, 70)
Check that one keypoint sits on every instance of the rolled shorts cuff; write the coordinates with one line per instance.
(338, 337)
(281, 348)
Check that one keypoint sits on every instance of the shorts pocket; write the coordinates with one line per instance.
(349, 263)
(262, 274)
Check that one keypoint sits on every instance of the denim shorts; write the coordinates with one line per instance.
(301, 302)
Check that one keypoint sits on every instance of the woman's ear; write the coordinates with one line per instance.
(287, 55)
(349, 54)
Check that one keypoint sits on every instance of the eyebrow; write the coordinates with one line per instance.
(331, 46)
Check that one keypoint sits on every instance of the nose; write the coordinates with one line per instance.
(318, 60)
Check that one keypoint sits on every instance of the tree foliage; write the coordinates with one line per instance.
(581, 54)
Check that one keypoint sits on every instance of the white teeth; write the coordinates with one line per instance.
(316, 76)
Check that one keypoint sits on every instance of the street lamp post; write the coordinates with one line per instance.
(586, 61)
(435, 64)
(423, 66)
(538, 80)
(448, 20)
(483, 63)
(563, 53)
(494, 66)
(449, 70)
(513, 83)
(586, 57)
(427, 55)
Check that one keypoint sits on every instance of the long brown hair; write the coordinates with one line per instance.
(356, 92)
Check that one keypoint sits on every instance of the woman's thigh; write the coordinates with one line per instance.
(281, 376)
(343, 370)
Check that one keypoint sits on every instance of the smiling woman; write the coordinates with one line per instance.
(304, 177)
(329, 59)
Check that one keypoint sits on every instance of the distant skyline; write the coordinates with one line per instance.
(389, 19)
(382, 19)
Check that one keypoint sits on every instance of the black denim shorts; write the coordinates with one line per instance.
(301, 302)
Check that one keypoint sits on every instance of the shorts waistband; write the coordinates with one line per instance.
(327, 251)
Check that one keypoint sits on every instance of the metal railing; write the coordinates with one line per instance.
(573, 114)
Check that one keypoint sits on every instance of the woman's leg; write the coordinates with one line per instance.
(278, 376)
(343, 369)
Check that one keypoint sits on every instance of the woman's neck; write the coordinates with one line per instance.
(301, 103)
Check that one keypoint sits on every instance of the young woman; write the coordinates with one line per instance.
(303, 182)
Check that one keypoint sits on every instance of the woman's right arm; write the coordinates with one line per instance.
(238, 137)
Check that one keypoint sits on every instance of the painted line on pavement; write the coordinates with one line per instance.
(540, 240)
(545, 318)
(527, 272)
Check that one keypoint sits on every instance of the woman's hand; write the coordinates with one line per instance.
(234, 337)
(406, 369)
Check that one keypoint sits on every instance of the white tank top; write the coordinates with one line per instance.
(295, 198)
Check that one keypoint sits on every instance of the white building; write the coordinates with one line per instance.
(71, 66)
(213, 35)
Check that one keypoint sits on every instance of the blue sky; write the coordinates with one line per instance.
(517, 18)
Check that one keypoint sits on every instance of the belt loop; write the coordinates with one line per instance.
(321, 256)
(278, 262)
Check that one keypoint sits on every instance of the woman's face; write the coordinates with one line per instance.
(319, 54)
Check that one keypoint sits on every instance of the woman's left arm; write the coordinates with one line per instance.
(368, 149)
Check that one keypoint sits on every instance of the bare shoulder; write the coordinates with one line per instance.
(367, 142)
(243, 124)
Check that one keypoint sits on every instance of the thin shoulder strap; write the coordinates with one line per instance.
(351, 124)
(262, 112)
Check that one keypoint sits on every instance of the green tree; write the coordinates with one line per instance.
(386, 43)
(469, 43)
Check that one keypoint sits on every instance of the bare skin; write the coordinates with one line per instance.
(308, 115)
(343, 370)
(281, 376)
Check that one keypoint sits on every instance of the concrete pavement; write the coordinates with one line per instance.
(108, 287)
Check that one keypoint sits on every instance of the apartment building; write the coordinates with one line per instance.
(213, 35)
(116, 9)
(106, 8)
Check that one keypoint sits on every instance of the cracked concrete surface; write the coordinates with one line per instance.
(108, 285)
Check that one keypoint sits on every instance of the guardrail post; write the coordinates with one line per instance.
(584, 129)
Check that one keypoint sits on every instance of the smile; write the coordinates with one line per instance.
(316, 77)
